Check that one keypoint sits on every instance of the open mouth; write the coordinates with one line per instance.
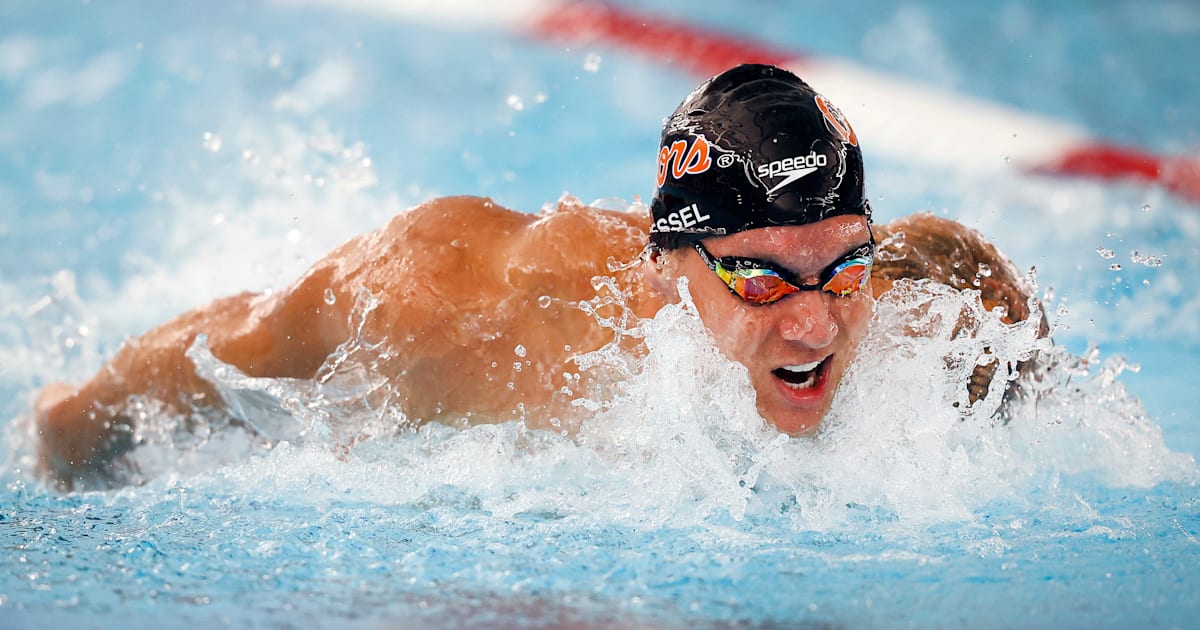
(800, 376)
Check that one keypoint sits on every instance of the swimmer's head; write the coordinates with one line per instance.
(754, 147)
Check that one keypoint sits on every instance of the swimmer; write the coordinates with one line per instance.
(760, 205)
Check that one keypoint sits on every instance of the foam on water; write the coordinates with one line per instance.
(167, 158)
(674, 439)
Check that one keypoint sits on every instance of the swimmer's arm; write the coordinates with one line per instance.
(288, 334)
(924, 246)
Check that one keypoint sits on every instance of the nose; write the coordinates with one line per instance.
(806, 318)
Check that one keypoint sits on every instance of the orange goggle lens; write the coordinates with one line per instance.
(759, 282)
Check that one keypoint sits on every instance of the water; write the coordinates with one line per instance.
(155, 161)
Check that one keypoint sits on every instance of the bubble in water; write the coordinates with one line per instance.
(330, 298)
(519, 350)
(1149, 261)
(212, 141)
(1105, 253)
(515, 102)
(592, 62)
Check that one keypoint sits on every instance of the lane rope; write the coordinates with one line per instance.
(900, 119)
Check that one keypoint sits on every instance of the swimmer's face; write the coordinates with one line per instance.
(797, 348)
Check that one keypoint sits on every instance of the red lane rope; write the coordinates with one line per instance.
(697, 50)
(1180, 175)
(705, 52)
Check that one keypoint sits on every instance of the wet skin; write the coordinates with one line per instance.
(462, 281)
(797, 331)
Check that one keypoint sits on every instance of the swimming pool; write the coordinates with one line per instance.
(155, 160)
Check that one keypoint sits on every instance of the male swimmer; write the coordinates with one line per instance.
(760, 205)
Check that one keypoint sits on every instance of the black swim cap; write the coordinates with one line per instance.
(754, 147)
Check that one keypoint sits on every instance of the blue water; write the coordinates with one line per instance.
(155, 159)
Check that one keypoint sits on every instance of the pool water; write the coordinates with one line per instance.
(156, 159)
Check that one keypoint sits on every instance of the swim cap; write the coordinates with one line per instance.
(753, 147)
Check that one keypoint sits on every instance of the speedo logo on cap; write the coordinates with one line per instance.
(792, 169)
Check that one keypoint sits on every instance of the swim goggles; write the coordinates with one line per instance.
(760, 282)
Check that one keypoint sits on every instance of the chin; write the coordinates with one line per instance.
(794, 423)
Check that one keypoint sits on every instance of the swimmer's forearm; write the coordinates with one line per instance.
(288, 334)
(82, 429)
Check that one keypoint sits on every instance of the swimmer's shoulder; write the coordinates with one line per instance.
(457, 217)
(925, 246)
(570, 242)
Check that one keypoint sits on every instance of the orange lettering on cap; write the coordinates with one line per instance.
(834, 117)
(682, 160)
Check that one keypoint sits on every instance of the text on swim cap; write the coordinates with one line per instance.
(837, 121)
(682, 219)
(792, 168)
(682, 159)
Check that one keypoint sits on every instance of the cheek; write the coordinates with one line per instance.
(732, 323)
(855, 316)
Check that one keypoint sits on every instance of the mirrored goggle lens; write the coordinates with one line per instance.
(761, 286)
(849, 277)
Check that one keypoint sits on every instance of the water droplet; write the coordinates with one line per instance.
(592, 62)
(515, 102)
(544, 301)
(1115, 266)
(1105, 253)
(330, 298)
(985, 270)
(1149, 261)
(212, 141)
(519, 350)
(1146, 208)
